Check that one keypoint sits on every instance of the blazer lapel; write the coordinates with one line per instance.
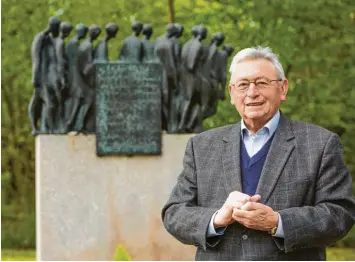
(280, 150)
(231, 160)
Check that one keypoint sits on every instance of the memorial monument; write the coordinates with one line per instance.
(193, 75)
(137, 114)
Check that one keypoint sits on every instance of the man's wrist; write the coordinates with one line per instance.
(276, 215)
(275, 223)
(216, 222)
(213, 231)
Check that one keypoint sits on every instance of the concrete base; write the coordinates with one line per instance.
(87, 205)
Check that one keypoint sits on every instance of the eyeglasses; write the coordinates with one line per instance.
(260, 84)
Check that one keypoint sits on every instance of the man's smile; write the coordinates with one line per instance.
(255, 104)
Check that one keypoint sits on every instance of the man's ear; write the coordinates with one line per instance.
(284, 89)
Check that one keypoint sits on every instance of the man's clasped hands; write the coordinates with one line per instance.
(246, 210)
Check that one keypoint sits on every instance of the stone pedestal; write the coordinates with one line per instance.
(87, 205)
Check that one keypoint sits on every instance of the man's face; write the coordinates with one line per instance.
(256, 104)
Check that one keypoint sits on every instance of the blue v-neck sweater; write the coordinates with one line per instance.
(251, 167)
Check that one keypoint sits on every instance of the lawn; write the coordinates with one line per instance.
(332, 254)
(15, 254)
(341, 254)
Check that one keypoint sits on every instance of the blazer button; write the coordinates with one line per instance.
(244, 237)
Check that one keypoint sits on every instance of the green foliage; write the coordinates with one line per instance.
(18, 231)
(315, 41)
(121, 254)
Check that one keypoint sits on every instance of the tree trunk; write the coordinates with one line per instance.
(171, 11)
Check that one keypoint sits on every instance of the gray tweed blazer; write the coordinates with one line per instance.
(304, 178)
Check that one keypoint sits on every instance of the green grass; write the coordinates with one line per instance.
(340, 254)
(16, 254)
(12, 254)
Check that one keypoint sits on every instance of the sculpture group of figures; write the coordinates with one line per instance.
(194, 77)
(63, 75)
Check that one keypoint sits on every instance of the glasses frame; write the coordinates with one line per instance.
(234, 86)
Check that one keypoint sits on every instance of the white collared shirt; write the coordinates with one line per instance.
(254, 142)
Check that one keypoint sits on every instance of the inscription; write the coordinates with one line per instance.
(128, 102)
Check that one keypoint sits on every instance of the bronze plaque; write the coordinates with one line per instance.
(128, 108)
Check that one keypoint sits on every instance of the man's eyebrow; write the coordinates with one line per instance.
(248, 79)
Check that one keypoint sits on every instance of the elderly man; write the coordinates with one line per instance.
(266, 188)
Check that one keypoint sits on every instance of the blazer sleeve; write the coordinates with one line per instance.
(333, 213)
(182, 217)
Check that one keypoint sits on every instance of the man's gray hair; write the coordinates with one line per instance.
(257, 53)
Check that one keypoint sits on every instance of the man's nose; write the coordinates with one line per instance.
(252, 90)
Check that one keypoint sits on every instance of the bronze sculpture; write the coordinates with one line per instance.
(148, 46)
(46, 95)
(63, 67)
(223, 55)
(192, 66)
(211, 71)
(132, 48)
(164, 49)
(194, 76)
(73, 100)
(84, 80)
(101, 53)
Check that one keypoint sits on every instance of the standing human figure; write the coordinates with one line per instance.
(265, 188)
(177, 43)
(74, 90)
(148, 46)
(223, 55)
(164, 49)
(84, 80)
(176, 99)
(62, 70)
(204, 86)
(192, 69)
(101, 50)
(46, 95)
(132, 48)
(211, 68)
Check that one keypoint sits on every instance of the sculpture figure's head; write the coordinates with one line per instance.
(54, 26)
(202, 32)
(137, 27)
(147, 30)
(65, 29)
(81, 31)
(111, 30)
(179, 30)
(94, 32)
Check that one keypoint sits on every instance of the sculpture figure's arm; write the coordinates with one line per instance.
(36, 59)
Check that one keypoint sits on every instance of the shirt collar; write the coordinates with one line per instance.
(269, 127)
